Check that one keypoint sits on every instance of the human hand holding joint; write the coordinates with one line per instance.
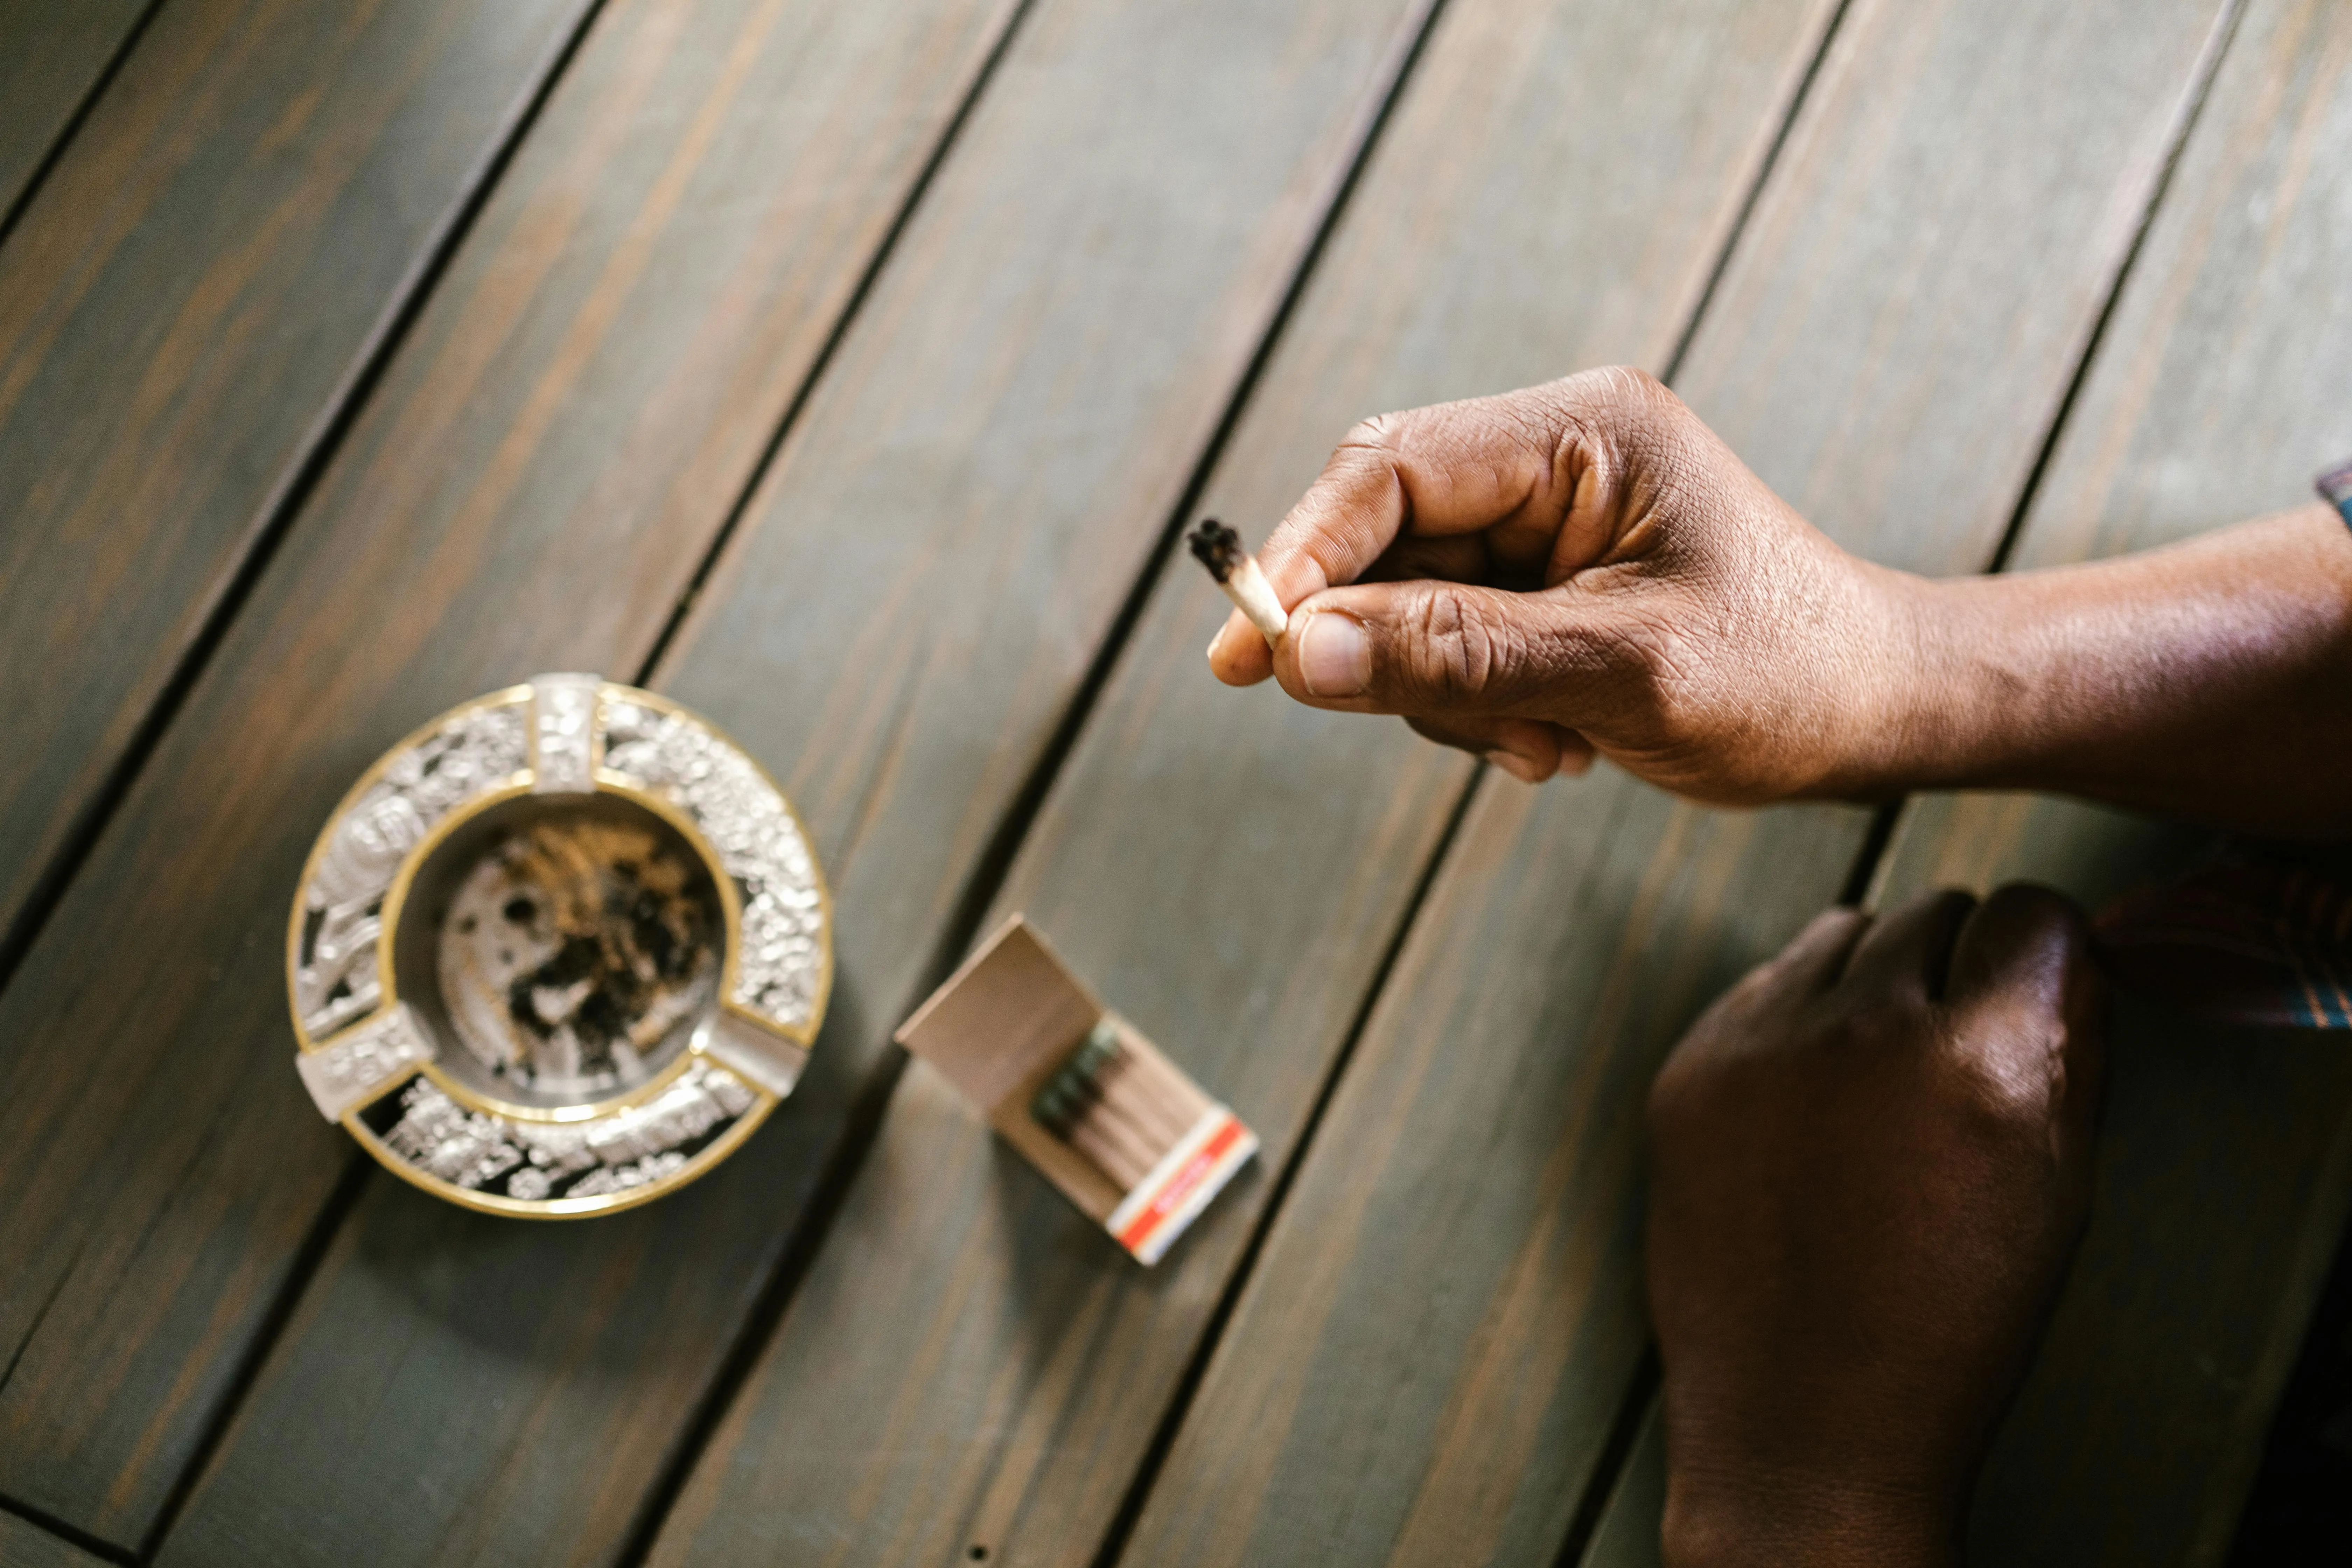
(1584, 569)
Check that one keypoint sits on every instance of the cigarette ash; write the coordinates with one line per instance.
(1217, 547)
(574, 951)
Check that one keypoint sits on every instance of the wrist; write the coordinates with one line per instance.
(1928, 699)
(1718, 1520)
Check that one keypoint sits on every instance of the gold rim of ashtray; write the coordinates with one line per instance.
(585, 1041)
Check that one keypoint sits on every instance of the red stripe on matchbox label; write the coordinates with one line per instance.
(1180, 1185)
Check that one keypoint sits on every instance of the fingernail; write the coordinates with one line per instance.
(1212, 645)
(1518, 766)
(1335, 656)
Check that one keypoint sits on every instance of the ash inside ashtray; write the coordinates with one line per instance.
(575, 955)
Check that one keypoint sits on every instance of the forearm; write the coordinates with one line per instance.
(1717, 1521)
(2211, 679)
(1795, 1531)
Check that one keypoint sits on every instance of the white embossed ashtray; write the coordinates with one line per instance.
(558, 952)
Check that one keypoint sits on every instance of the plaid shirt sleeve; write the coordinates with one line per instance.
(2260, 934)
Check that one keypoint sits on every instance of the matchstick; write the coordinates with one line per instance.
(1121, 1108)
(1122, 1164)
(1122, 1081)
(1169, 1090)
(1124, 1121)
(1111, 1075)
(1219, 549)
(1175, 1105)
(1147, 1086)
(1121, 1152)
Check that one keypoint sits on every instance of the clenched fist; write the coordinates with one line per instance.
(1870, 1163)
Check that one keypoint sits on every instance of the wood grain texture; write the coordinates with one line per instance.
(1228, 867)
(1949, 216)
(24, 1546)
(1627, 1535)
(532, 486)
(1446, 1317)
(915, 594)
(2225, 1162)
(50, 56)
(205, 269)
(1445, 1320)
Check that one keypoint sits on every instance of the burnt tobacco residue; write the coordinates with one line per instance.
(629, 928)
(1216, 546)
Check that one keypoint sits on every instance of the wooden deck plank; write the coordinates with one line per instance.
(205, 270)
(1229, 867)
(940, 546)
(2225, 1160)
(570, 420)
(50, 56)
(1447, 1314)
(26, 1545)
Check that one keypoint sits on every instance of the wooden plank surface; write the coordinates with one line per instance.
(2225, 1160)
(26, 1545)
(205, 269)
(1447, 1315)
(915, 594)
(50, 56)
(1228, 867)
(531, 486)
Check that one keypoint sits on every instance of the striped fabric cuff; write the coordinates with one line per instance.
(2336, 484)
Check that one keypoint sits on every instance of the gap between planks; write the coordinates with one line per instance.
(1862, 886)
(283, 504)
(341, 415)
(1180, 1403)
(995, 861)
(1602, 1483)
(74, 121)
(867, 1113)
(1615, 1454)
(80, 1539)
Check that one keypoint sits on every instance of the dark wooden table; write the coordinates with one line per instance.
(846, 371)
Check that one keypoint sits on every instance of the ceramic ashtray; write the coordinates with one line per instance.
(558, 952)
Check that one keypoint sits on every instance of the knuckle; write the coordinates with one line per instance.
(1625, 398)
(1459, 644)
(1634, 388)
(2031, 908)
(1377, 434)
(2001, 1079)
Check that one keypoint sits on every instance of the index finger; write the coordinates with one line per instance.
(1448, 469)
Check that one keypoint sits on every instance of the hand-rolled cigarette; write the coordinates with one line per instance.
(1237, 571)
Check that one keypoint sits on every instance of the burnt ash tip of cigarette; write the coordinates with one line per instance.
(1218, 548)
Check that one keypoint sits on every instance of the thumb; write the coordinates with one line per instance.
(1434, 649)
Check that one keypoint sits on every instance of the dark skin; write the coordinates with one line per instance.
(1583, 568)
(1871, 1159)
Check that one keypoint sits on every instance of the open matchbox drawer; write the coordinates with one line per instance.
(1013, 1018)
